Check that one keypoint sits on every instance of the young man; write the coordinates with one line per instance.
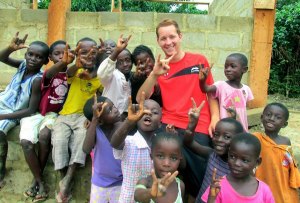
(179, 73)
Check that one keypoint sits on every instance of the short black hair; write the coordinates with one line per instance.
(284, 109)
(43, 45)
(248, 139)
(238, 126)
(86, 39)
(165, 136)
(54, 44)
(242, 58)
(88, 106)
(141, 49)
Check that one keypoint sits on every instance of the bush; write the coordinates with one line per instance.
(285, 64)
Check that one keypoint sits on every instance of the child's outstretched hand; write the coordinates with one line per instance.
(68, 56)
(98, 107)
(162, 65)
(194, 113)
(101, 47)
(171, 129)
(159, 186)
(122, 42)
(203, 72)
(17, 43)
(215, 184)
(136, 114)
(231, 110)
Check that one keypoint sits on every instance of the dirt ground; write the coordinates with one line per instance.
(293, 129)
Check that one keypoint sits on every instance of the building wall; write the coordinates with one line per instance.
(13, 4)
(238, 8)
(214, 36)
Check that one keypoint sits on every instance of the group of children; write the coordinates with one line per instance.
(90, 106)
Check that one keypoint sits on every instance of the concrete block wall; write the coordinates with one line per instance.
(214, 36)
(13, 4)
(237, 8)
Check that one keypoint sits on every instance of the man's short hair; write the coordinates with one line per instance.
(168, 22)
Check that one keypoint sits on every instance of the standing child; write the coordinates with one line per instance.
(21, 97)
(240, 185)
(68, 131)
(107, 176)
(231, 93)
(278, 168)
(134, 151)
(37, 128)
(144, 60)
(162, 185)
(114, 73)
(226, 129)
(109, 46)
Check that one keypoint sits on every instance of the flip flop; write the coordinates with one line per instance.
(61, 199)
(40, 197)
(30, 192)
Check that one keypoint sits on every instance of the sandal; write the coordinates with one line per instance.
(40, 197)
(30, 192)
(62, 199)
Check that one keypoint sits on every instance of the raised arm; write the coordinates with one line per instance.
(188, 139)
(61, 66)
(203, 73)
(119, 136)
(33, 103)
(15, 44)
(90, 138)
(161, 67)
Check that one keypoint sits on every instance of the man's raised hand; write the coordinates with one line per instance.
(162, 65)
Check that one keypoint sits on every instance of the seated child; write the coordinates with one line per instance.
(114, 73)
(22, 96)
(144, 60)
(240, 185)
(225, 130)
(162, 185)
(231, 93)
(107, 176)
(134, 151)
(37, 128)
(68, 131)
(278, 168)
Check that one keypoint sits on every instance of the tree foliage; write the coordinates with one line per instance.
(285, 65)
(128, 5)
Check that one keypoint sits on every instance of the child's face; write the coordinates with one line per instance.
(58, 53)
(150, 122)
(142, 57)
(222, 136)
(35, 57)
(110, 113)
(85, 47)
(273, 119)
(109, 46)
(166, 157)
(242, 159)
(233, 68)
(124, 63)
(169, 40)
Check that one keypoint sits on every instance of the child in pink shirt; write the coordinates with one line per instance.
(240, 185)
(231, 93)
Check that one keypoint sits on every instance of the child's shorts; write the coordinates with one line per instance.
(32, 125)
(104, 195)
(67, 138)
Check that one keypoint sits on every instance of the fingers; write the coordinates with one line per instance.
(77, 48)
(95, 98)
(101, 42)
(193, 103)
(154, 178)
(201, 106)
(158, 59)
(142, 100)
(25, 37)
(214, 174)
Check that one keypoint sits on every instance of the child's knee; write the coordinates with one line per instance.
(45, 136)
(27, 145)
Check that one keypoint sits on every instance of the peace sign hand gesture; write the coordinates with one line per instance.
(136, 114)
(162, 65)
(215, 185)
(194, 113)
(98, 108)
(122, 42)
(203, 72)
(17, 43)
(159, 186)
(68, 55)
